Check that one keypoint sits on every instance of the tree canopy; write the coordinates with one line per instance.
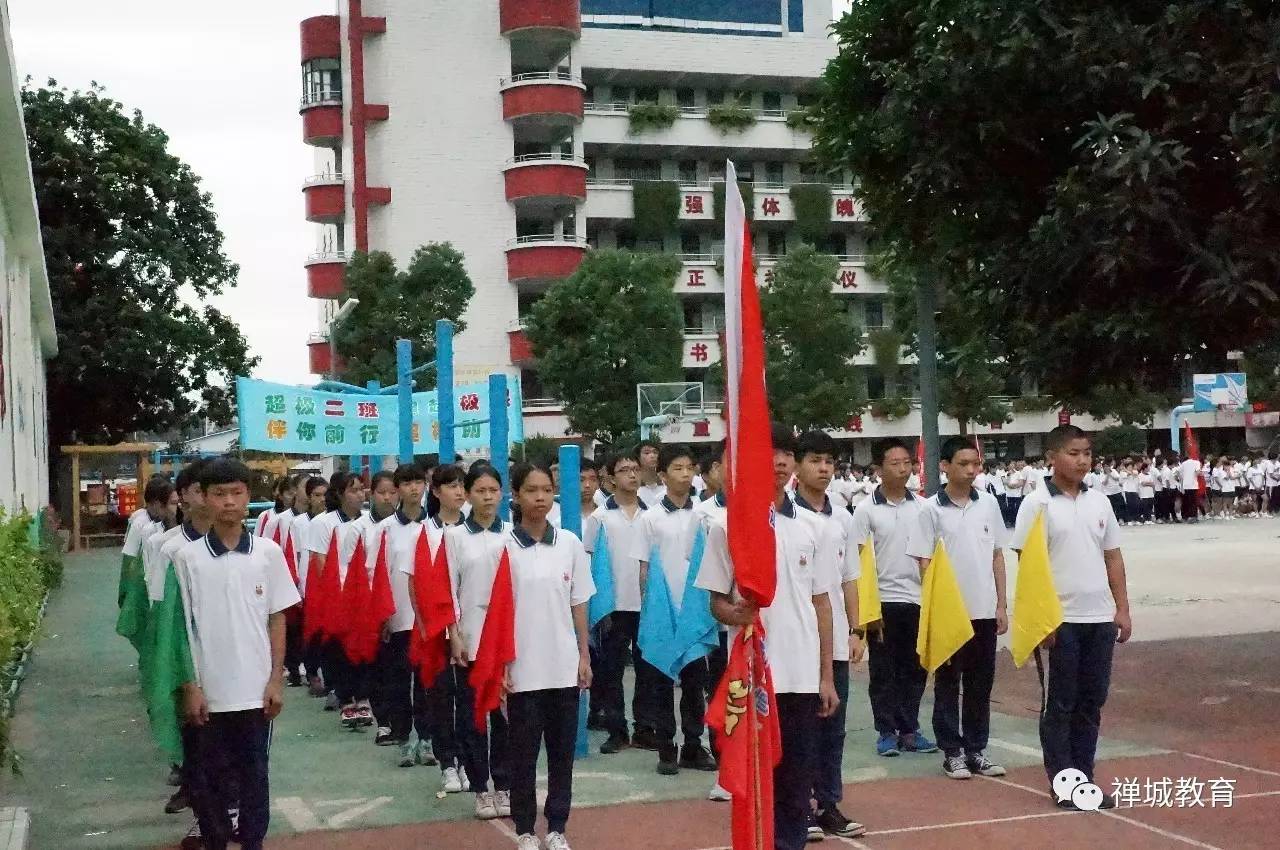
(810, 342)
(400, 305)
(1094, 182)
(616, 322)
(133, 252)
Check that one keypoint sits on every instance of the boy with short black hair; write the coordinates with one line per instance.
(1088, 574)
(235, 590)
(651, 487)
(971, 528)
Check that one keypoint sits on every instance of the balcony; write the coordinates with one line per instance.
(611, 200)
(319, 355)
(325, 196)
(543, 107)
(609, 125)
(543, 181)
(321, 38)
(700, 275)
(326, 271)
(534, 261)
(541, 31)
(521, 350)
(322, 118)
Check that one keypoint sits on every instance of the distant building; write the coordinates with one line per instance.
(27, 336)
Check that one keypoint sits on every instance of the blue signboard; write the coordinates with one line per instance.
(1223, 390)
(299, 420)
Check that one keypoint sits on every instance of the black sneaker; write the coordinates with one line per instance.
(696, 757)
(192, 840)
(645, 739)
(1108, 801)
(595, 722)
(615, 744)
(979, 764)
(295, 680)
(177, 802)
(175, 776)
(813, 832)
(833, 822)
(1066, 805)
(667, 760)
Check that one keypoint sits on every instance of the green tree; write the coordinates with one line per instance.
(810, 342)
(1118, 441)
(133, 253)
(616, 322)
(400, 305)
(1098, 181)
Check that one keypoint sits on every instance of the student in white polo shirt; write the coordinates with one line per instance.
(344, 499)
(235, 590)
(815, 460)
(798, 624)
(620, 517)
(1273, 482)
(309, 497)
(281, 526)
(159, 514)
(970, 526)
(473, 550)
(651, 487)
(669, 528)
(551, 585)
(897, 680)
(1088, 573)
(1189, 474)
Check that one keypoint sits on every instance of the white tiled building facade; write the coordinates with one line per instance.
(27, 336)
(505, 127)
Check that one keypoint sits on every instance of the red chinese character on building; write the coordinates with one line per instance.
(702, 428)
(693, 204)
(367, 410)
(697, 277)
(698, 351)
(769, 206)
(848, 279)
(470, 401)
(844, 207)
(854, 425)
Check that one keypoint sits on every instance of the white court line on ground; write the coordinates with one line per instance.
(1231, 764)
(984, 822)
(852, 842)
(1015, 748)
(504, 829)
(1111, 814)
(299, 815)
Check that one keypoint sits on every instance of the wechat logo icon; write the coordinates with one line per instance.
(1071, 784)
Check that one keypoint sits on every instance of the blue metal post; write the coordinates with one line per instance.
(571, 520)
(404, 387)
(499, 442)
(444, 389)
(1175, 425)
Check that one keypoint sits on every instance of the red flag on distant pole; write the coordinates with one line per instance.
(977, 445)
(743, 709)
(1193, 452)
(434, 592)
(924, 473)
(497, 645)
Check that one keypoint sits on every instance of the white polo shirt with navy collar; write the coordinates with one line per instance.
(549, 577)
(833, 528)
(166, 546)
(300, 532)
(669, 529)
(141, 526)
(320, 531)
(473, 552)
(711, 509)
(890, 526)
(1079, 531)
(229, 595)
(401, 536)
(281, 522)
(621, 535)
(436, 529)
(791, 622)
(152, 568)
(651, 494)
(972, 534)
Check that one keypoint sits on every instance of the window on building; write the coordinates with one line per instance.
(809, 172)
(715, 97)
(805, 99)
(531, 385)
(875, 384)
(746, 171)
(591, 166)
(525, 302)
(622, 94)
(774, 172)
(321, 80)
(638, 169)
(834, 244)
(685, 98)
(690, 242)
(688, 169)
(650, 246)
(771, 101)
(692, 315)
(648, 94)
(626, 241)
(777, 244)
(873, 314)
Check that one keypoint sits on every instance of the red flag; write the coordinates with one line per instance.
(322, 590)
(977, 444)
(748, 450)
(290, 560)
(924, 473)
(378, 608)
(1193, 452)
(355, 598)
(744, 715)
(428, 650)
(497, 645)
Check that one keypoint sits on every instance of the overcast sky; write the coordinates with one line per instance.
(222, 79)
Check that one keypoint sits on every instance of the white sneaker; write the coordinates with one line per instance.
(485, 807)
(528, 841)
(557, 841)
(462, 775)
(452, 783)
(502, 800)
(719, 795)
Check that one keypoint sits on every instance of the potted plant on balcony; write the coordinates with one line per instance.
(801, 118)
(656, 207)
(648, 117)
(732, 116)
(812, 205)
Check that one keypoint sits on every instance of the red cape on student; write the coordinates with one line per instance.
(428, 649)
(497, 645)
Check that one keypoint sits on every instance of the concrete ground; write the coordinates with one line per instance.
(92, 779)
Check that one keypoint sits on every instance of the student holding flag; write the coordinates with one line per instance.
(967, 527)
(611, 536)
(711, 509)
(885, 523)
(1074, 529)
(345, 500)
(815, 466)
(671, 643)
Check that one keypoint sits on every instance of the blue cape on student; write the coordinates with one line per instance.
(603, 602)
(670, 640)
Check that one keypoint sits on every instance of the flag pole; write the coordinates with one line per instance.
(754, 734)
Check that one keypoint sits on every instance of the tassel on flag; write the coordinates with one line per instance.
(1037, 610)
(434, 592)
(944, 621)
(497, 646)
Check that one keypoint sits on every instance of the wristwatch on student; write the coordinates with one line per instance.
(861, 633)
